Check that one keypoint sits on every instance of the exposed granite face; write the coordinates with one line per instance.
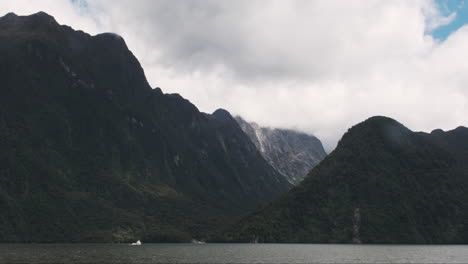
(382, 184)
(291, 153)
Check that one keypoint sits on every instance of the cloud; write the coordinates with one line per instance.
(435, 17)
(318, 66)
(65, 12)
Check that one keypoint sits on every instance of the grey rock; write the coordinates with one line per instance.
(291, 153)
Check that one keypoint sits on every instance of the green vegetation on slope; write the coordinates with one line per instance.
(382, 184)
(89, 152)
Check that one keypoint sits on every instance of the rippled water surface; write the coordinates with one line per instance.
(229, 253)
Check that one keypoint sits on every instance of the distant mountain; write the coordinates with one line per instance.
(382, 184)
(89, 152)
(291, 153)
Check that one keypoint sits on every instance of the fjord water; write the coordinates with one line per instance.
(230, 253)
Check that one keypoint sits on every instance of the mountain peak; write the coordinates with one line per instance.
(437, 131)
(290, 152)
(39, 17)
(377, 124)
(110, 36)
(382, 184)
(43, 15)
(9, 15)
(376, 129)
(38, 22)
(222, 114)
(139, 151)
(115, 69)
(381, 120)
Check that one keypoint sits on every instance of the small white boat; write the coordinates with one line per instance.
(138, 243)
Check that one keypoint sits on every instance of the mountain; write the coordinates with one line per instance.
(382, 184)
(291, 153)
(90, 152)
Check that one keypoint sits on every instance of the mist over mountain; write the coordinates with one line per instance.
(382, 184)
(291, 153)
(90, 152)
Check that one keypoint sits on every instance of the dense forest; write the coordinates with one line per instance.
(382, 184)
(90, 152)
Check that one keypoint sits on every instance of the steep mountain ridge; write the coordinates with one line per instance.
(291, 153)
(89, 152)
(382, 184)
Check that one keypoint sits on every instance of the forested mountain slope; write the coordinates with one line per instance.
(90, 152)
(382, 184)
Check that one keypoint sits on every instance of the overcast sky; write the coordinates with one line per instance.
(316, 66)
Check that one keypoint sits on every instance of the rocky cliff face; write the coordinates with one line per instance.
(382, 184)
(90, 152)
(291, 153)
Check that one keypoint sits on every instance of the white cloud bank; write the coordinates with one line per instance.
(318, 66)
